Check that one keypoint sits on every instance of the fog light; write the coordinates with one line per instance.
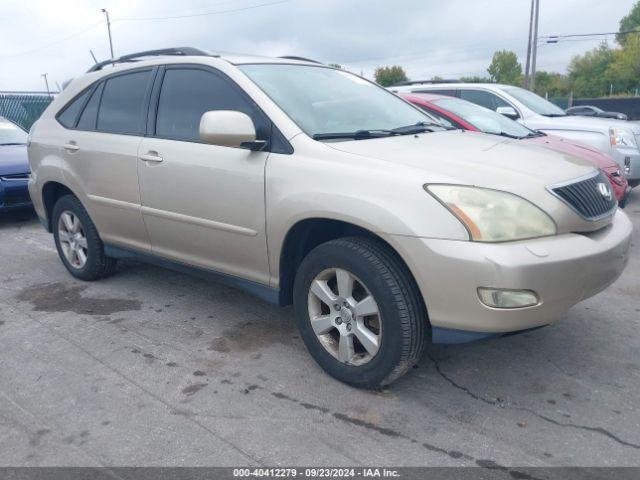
(501, 298)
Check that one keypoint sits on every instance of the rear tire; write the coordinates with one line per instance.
(391, 324)
(78, 242)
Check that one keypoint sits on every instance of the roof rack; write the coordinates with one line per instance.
(180, 51)
(301, 59)
(416, 82)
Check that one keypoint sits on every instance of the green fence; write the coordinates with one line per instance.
(23, 108)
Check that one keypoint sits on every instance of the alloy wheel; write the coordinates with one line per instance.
(73, 241)
(344, 316)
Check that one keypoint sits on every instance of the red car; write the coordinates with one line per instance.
(469, 116)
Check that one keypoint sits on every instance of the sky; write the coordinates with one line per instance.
(448, 38)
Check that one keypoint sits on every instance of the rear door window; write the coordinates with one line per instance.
(450, 92)
(483, 98)
(89, 115)
(122, 108)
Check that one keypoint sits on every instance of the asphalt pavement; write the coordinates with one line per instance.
(155, 368)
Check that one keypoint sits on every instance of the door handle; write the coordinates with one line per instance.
(71, 146)
(151, 157)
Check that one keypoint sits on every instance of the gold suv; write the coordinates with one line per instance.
(309, 185)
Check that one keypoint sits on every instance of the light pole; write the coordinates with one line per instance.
(534, 47)
(104, 10)
(528, 67)
(46, 82)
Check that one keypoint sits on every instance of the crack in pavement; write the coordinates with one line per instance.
(461, 387)
(600, 430)
(475, 396)
(388, 432)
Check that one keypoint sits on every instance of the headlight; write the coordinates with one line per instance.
(492, 215)
(621, 137)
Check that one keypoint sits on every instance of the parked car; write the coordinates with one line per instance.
(309, 185)
(14, 167)
(614, 137)
(593, 111)
(458, 113)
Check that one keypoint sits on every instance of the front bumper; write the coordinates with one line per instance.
(562, 270)
(14, 194)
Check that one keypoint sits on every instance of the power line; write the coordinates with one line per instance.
(42, 47)
(80, 32)
(626, 32)
(203, 14)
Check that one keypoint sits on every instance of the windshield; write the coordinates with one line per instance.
(323, 100)
(483, 119)
(11, 134)
(535, 102)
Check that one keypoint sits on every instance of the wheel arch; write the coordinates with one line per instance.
(51, 192)
(307, 234)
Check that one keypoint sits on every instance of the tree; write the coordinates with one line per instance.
(624, 70)
(589, 73)
(552, 84)
(505, 68)
(475, 79)
(630, 22)
(387, 76)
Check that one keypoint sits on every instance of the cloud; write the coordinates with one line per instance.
(427, 37)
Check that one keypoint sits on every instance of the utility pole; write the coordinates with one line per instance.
(104, 10)
(528, 67)
(46, 82)
(534, 46)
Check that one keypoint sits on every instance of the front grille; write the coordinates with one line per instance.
(591, 197)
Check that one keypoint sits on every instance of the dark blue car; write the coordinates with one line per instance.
(14, 167)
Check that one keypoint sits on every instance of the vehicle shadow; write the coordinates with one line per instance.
(16, 217)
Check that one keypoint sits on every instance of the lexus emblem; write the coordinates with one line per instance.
(605, 190)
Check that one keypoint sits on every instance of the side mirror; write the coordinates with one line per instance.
(508, 112)
(229, 128)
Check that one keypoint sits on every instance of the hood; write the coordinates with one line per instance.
(576, 149)
(478, 159)
(13, 159)
(575, 122)
(472, 158)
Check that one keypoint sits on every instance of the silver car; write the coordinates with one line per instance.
(618, 138)
(309, 185)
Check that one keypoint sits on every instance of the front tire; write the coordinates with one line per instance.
(78, 242)
(359, 311)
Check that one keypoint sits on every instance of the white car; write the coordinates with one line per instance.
(618, 138)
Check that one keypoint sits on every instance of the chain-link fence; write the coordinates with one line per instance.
(23, 108)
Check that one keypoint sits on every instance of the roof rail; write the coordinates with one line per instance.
(416, 82)
(302, 59)
(150, 53)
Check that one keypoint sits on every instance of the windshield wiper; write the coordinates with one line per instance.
(535, 134)
(419, 127)
(553, 114)
(12, 143)
(508, 135)
(357, 135)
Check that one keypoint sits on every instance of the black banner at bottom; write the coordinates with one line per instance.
(488, 472)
